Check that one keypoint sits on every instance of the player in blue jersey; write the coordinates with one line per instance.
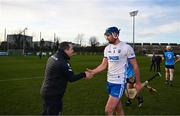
(169, 57)
(130, 84)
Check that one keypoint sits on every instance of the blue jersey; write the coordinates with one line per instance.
(169, 57)
(129, 71)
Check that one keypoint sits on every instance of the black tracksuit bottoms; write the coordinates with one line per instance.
(52, 105)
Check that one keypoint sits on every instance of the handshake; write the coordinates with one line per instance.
(89, 73)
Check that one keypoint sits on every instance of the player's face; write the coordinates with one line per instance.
(70, 51)
(110, 38)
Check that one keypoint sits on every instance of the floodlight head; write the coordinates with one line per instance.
(133, 13)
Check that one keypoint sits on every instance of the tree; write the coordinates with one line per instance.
(18, 42)
(93, 41)
(3, 46)
(79, 39)
(57, 45)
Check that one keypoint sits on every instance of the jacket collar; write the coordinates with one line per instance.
(62, 54)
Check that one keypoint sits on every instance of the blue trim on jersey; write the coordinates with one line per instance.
(130, 72)
(115, 90)
(125, 73)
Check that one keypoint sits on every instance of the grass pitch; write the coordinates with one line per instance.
(21, 79)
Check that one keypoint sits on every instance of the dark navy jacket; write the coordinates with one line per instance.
(57, 74)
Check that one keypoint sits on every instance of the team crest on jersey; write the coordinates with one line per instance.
(132, 54)
(119, 51)
(109, 51)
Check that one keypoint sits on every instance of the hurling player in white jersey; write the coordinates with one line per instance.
(116, 56)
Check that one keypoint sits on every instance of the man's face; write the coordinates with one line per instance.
(111, 38)
(70, 51)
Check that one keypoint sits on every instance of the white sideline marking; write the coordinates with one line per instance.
(17, 79)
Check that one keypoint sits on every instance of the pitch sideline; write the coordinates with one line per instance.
(19, 79)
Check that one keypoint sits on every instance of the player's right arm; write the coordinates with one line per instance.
(133, 61)
(99, 68)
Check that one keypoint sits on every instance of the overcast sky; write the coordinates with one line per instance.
(157, 20)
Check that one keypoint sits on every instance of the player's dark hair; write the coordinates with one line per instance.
(64, 45)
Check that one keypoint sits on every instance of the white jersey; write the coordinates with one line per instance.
(117, 56)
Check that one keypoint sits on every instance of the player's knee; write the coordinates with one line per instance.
(108, 110)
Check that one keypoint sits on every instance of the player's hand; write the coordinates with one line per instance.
(138, 86)
(90, 71)
(89, 75)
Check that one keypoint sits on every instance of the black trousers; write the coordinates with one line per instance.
(153, 65)
(52, 105)
(158, 69)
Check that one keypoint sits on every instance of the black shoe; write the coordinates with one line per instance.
(171, 83)
(166, 82)
(140, 101)
(128, 103)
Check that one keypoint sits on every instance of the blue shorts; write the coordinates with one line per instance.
(115, 90)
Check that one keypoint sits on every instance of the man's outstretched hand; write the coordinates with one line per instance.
(89, 75)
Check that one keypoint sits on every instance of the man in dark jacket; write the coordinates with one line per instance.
(153, 63)
(57, 74)
(158, 63)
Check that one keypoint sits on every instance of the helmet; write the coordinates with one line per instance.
(111, 30)
(168, 47)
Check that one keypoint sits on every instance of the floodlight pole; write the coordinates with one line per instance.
(54, 48)
(5, 39)
(24, 40)
(40, 39)
(133, 14)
